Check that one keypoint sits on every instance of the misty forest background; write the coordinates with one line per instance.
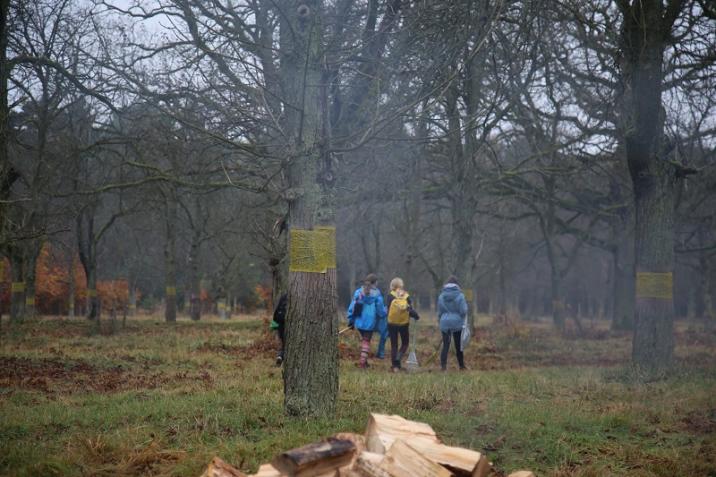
(155, 155)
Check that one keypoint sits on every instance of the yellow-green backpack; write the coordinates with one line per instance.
(398, 312)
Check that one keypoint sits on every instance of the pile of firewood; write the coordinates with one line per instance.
(391, 447)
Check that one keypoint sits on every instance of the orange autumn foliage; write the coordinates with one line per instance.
(265, 295)
(52, 286)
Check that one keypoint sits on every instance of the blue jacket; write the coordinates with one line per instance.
(452, 308)
(372, 318)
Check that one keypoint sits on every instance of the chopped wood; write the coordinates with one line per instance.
(349, 473)
(219, 468)
(383, 430)
(368, 465)
(401, 460)
(392, 447)
(268, 470)
(460, 461)
(482, 468)
(317, 458)
(357, 440)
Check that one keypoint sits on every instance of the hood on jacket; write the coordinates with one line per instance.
(371, 297)
(451, 292)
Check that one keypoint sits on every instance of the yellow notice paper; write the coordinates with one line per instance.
(313, 251)
(655, 285)
(469, 295)
(171, 291)
(17, 287)
(30, 301)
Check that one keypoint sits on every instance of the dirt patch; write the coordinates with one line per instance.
(265, 346)
(54, 376)
(700, 422)
(692, 337)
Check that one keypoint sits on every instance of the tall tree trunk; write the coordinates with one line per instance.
(30, 263)
(310, 372)
(7, 177)
(194, 291)
(170, 280)
(72, 288)
(17, 287)
(624, 283)
(502, 285)
(92, 299)
(557, 300)
(645, 30)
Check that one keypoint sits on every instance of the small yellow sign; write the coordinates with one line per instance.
(655, 285)
(312, 251)
(30, 301)
(469, 295)
(17, 287)
(171, 291)
(91, 292)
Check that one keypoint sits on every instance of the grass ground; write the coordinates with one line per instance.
(158, 399)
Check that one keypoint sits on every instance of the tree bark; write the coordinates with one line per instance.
(645, 31)
(170, 281)
(194, 292)
(17, 290)
(71, 286)
(30, 262)
(624, 282)
(310, 372)
(7, 177)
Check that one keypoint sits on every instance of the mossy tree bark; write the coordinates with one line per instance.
(310, 371)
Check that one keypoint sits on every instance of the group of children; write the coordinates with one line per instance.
(369, 313)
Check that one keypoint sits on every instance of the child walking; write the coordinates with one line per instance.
(365, 310)
(400, 310)
(452, 312)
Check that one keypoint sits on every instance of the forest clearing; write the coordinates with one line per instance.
(153, 399)
(226, 225)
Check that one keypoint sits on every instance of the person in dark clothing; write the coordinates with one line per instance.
(400, 310)
(452, 312)
(278, 324)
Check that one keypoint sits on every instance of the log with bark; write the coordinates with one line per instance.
(316, 459)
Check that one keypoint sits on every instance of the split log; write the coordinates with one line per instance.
(219, 468)
(383, 430)
(267, 470)
(482, 468)
(401, 460)
(368, 465)
(316, 459)
(463, 462)
(522, 473)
